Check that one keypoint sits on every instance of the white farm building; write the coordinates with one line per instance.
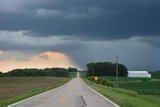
(139, 74)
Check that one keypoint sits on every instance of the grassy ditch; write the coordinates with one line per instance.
(125, 98)
(13, 89)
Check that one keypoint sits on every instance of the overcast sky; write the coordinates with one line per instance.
(82, 30)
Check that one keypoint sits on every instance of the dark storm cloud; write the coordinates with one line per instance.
(153, 40)
(86, 30)
(66, 47)
(88, 19)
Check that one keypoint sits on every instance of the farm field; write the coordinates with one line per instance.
(13, 89)
(131, 92)
(125, 79)
(141, 85)
(125, 98)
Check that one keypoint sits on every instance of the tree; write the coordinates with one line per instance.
(105, 69)
(60, 72)
(122, 70)
(1, 74)
(156, 74)
(72, 69)
(90, 68)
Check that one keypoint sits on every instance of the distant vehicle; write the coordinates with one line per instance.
(139, 74)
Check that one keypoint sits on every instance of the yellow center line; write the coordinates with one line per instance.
(71, 89)
(64, 99)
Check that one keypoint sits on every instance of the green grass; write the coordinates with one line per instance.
(73, 74)
(13, 89)
(143, 87)
(82, 74)
(125, 79)
(125, 98)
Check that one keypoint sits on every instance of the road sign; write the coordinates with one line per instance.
(96, 78)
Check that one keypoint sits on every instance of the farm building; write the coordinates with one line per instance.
(139, 74)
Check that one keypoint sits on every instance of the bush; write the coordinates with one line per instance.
(109, 84)
(145, 79)
(102, 81)
(156, 74)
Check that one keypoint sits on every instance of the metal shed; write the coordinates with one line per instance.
(139, 74)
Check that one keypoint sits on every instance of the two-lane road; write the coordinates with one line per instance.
(73, 94)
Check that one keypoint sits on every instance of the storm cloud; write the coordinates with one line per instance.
(85, 30)
(91, 19)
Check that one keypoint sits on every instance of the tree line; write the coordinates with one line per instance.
(58, 72)
(105, 69)
(155, 75)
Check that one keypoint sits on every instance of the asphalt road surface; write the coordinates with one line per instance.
(73, 94)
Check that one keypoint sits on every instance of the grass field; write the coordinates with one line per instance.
(140, 85)
(131, 92)
(125, 79)
(143, 87)
(13, 89)
(125, 98)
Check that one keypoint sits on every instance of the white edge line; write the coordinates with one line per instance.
(38, 94)
(101, 95)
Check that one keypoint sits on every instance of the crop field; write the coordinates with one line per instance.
(13, 89)
(125, 98)
(141, 85)
(125, 79)
(131, 92)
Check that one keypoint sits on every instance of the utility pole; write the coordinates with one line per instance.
(117, 70)
(92, 70)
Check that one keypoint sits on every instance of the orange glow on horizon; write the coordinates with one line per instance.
(45, 60)
(1, 52)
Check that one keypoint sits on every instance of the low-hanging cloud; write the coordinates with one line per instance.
(86, 30)
(91, 19)
(21, 40)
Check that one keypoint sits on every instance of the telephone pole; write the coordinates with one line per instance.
(117, 70)
(93, 71)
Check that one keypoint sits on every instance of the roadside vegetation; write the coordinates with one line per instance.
(140, 85)
(130, 92)
(155, 75)
(125, 98)
(56, 72)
